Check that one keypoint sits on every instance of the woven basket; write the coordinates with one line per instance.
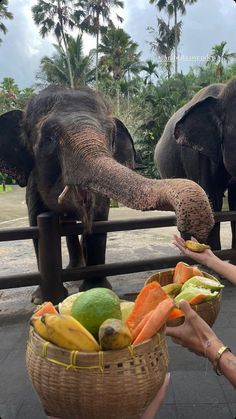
(99, 385)
(207, 310)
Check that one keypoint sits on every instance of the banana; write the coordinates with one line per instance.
(195, 246)
(39, 327)
(114, 334)
(68, 333)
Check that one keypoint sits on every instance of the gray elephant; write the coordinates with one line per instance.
(199, 143)
(73, 156)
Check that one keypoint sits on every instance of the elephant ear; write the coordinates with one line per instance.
(200, 128)
(15, 159)
(123, 145)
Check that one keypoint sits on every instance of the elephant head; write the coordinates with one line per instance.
(208, 124)
(66, 140)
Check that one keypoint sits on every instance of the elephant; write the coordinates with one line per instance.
(199, 143)
(73, 155)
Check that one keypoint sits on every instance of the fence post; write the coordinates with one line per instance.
(50, 259)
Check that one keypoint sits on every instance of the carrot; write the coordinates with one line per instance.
(156, 321)
(45, 308)
(175, 314)
(148, 298)
(183, 272)
(199, 298)
(140, 325)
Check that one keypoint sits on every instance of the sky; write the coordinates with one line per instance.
(207, 22)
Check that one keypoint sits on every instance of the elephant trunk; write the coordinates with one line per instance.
(102, 174)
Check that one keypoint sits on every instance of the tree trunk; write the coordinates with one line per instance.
(97, 41)
(65, 46)
(118, 98)
(176, 41)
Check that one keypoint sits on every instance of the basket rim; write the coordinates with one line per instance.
(41, 347)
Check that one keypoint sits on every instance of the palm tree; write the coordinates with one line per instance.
(172, 7)
(119, 55)
(218, 56)
(4, 14)
(98, 17)
(164, 41)
(57, 16)
(149, 67)
(55, 69)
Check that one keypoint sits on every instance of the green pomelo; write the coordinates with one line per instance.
(95, 306)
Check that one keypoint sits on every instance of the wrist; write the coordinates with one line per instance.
(211, 261)
(212, 347)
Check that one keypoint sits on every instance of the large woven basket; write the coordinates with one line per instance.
(99, 385)
(207, 310)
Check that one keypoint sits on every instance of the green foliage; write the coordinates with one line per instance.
(55, 70)
(12, 97)
(98, 19)
(4, 14)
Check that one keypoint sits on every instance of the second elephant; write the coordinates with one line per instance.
(199, 143)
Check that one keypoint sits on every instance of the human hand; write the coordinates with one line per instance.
(154, 406)
(195, 334)
(202, 257)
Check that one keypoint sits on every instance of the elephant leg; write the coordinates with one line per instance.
(35, 207)
(94, 245)
(76, 257)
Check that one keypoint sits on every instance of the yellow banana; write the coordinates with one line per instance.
(68, 333)
(114, 334)
(39, 327)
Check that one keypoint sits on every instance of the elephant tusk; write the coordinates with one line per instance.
(63, 194)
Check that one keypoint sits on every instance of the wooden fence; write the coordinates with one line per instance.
(49, 232)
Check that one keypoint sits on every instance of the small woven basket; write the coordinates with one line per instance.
(208, 310)
(99, 385)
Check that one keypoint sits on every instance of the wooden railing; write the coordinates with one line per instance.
(49, 232)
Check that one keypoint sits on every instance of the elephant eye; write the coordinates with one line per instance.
(50, 133)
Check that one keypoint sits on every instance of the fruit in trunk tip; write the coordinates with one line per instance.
(195, 246)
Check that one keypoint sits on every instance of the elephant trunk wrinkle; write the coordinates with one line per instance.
(186, 198)
(103, 174)
(88, 144)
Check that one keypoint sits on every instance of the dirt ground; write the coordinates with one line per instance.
(18, 257)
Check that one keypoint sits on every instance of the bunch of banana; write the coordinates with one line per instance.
(66, 332)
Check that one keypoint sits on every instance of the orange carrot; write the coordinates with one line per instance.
(156, 321)
(148, 298)
(199, 298)
(45, 308)
(183, 272)
(140, 325)
(175, 314)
